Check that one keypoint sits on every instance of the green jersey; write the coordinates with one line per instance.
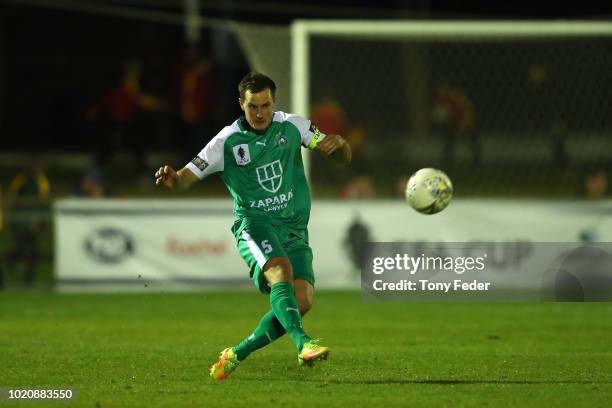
(263, 171)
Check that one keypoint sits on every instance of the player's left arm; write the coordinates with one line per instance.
(336, 147)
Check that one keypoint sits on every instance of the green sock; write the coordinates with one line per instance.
(285, 308)
(268, 330)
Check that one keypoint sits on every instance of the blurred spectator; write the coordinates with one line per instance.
(28, 200)
(92, 185)
(356, 137)
(400, 187)
(194, 101)
(359, 187)
(539, 100)
(596, 185)
(119, 112)
(329, 116)
(453, 116)
(357, 235)
(560, 134)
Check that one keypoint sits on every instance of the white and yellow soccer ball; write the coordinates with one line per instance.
(429, 191)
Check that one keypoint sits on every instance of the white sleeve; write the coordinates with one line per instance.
(210, 159)
(310, 134)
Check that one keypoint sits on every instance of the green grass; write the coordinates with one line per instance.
(155, 350)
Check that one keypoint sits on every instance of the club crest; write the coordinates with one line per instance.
(281, 139)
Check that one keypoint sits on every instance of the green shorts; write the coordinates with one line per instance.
(258, 243)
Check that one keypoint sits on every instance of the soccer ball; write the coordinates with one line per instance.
(429, 191)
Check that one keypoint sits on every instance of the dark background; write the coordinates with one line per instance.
(59, 58)
(56, 61)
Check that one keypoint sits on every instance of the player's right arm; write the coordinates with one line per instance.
(180, 180)
(209, 160)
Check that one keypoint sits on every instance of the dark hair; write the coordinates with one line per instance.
(255, 82)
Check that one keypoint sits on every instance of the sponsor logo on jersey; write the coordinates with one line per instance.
(270, 176)
(275, 203)
(242, 155)
(200, 163)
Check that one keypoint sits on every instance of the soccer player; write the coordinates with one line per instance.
(260, 159)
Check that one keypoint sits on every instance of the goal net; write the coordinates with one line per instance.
(506, 108)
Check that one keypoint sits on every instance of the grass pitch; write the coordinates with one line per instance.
(155, 350)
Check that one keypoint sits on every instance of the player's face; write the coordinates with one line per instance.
(258, 108)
